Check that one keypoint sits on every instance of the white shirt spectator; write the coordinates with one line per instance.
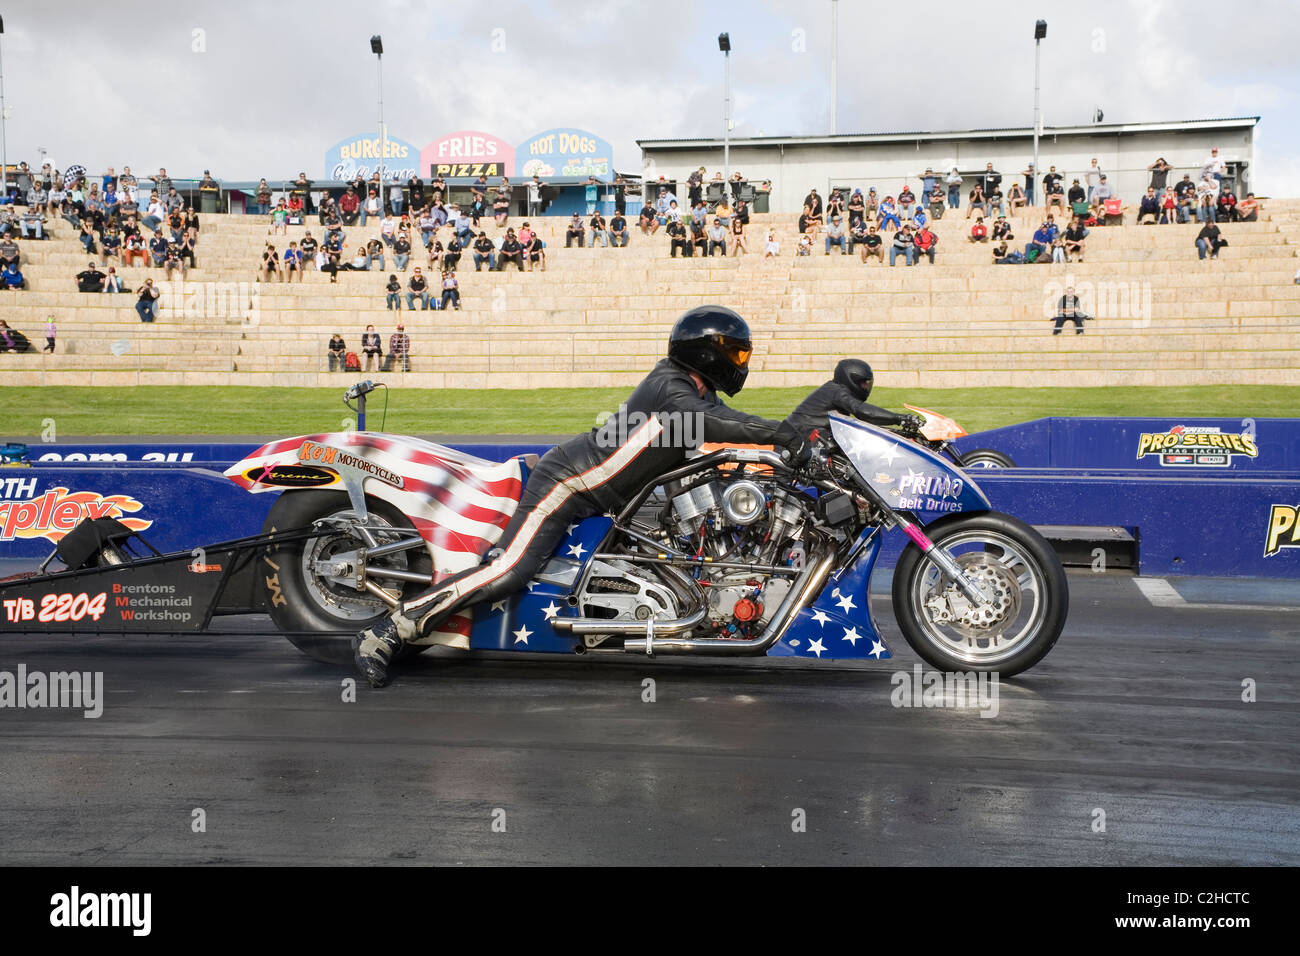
(157, 209)
(1214, 164)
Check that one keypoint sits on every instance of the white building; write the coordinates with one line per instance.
(794, 164)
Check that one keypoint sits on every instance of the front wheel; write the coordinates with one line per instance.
(1013, 564)
(986, 458)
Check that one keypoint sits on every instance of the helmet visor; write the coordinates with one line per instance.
(737, 351)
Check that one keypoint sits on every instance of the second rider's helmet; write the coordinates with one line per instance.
(857, 375)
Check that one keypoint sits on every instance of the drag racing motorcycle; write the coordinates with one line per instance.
(733, 553)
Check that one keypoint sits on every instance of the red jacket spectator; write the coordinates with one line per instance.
(349, 202)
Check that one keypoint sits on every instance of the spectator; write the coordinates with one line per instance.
(484, 251)
(308, 247)
(1038, 246)
(51, 332)
(525, 234)
(977, 202)
(1100, 193)
(804, 246)
(1169, 206)
(418, 288)
(857, 234)
(112, 281)
(937, 204)
(1000, 256)
(329, 258)
(771, 248)
(835, 236)
(1208, 241)
(436, 253)
(501, 207)
(263, 197)
(399, 347)
(535, 187)
(717, 237)
(393, 300)
(835, 204)
(812, 203)
(1214, 166)
(928, 183)
(1076, 235)
(401, 251)
(1149, 206)
(1227, 211)
(90, 279)
(575, 231)
(979, 232)
(1159, 175)
(888, 214)
(925, 242)
(698, 239)
(338, 351)
(450, 290)
(9, 252)
(110, 247)
(1058, 249)
(32, 223)
(12, 278)
(292, 263)
(1054, 190)
(146, 306)
(375, 254)
(1248, 209)
(11, 340)
(906, 202)
(857, 209)
(1017, 198)
(350, 207)
(990, 179)
(647, 221)
(663, 205)
(873, 245)
(280, 219)
(87, 237)
(512, 250)
(370, 346)
(1078, 199)
(953, 181)
(618, 230)
(995, 202)
(738, 237)
(372, 207)
(1068, 309)
(451, 258)
(1029, 172)
(535, 250)
(1207, 196)
(599, 230)
(873, 206)
(270, 265)
(903, 245)
(415, 193)
(301, 188)
(1095, 176)
(134, 248)
(724, 211)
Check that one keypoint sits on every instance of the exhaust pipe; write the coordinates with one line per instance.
(780, 623)
(576, 626)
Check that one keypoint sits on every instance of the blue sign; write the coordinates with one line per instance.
(359, 156)
(565, 152)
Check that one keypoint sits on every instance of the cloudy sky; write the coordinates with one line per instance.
(252, 88)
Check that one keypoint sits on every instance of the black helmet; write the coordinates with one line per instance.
(713, 341)
(856, 375)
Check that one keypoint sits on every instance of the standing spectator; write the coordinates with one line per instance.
(370, 346)
(924, 241)
(418, 288)
(415, 193)
(162, 182)
(1094, 175)
(1214, 166)
(618, 229)
(399, 347)
(450, 290)
(990, 179)
(953, 181)
(147, 304)
(575, 231)
(51, 332)
(1208, 241)
(835, 236)
(903, 246)
(484, 251)
(717, 238)
(1029, 173)
(599, 229)
(535, 187)
(695, 186)
(591, 192)
(263, 197)
(338, 351)
(280, 219)
(512, 250)
(928, 182)
(1159, 175)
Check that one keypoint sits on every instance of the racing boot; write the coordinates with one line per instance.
(373, 648)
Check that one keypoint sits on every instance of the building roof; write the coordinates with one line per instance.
(847, 139)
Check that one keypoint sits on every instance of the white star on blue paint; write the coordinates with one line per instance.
(498, 606)
(572, 528)
(577, 550)
(877, 649)
(846, 602)
(820, 617)
(551, 610)
(889, 453)
(521, 635)
(816, 647)
(852, 636)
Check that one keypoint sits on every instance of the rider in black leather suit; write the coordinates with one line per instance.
(674, 409)
(846, 393)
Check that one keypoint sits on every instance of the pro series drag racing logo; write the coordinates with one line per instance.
(1196, 445)
(59, 510)
(1283, 529)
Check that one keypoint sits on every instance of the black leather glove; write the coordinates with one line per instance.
(911, 424)
(796, 451)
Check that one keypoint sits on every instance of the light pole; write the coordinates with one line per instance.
(377, 48)
(1040, 31)
(4, 144)
(835, 42)
(724, 44)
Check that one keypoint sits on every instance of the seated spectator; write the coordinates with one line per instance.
(995, 204)
(393, 301)
(724, 213)
(1227, 206)
(1058, 249)
(360, 261)
(599, 230)
(112, 281)
(484, 251)
(771, 248)
(1037, 248)
(372, 207)
(717, 237)
(110, 247)
(12, 278)
(979, 232)
(293, 263)
(924, 241)
(501, 208)
(399, 347)
(388, 230)
(700, 214)
(1185, 190)
(804, 246)
(1075, 238)
(158, 249)
(857, 208)
(401, 251)
(535, 251)
(698, 240)
(1002, 229)
(577, 231)
(999, 251)
(835, 236)
(436, 252)
(1208, 241)
(147, 304)
(835, 205)
(872, 206)
(450, 290)
(1078, 198)
(618, 230)
(1100, 193)
(338, 351)
(873, 246)
(174, 261)
(270, 264)
(938, 205)
(1016, 198)
(906, 202)
(1149, 206)
(375, 255)
(418, 288)
(370, 341)
(1068, 309)
(647, 222)
(888, 214)
(134, 249)
(1169, 206)
(9, 253)
(857, 234)
(90, 279)
(1248, 209)
(350, 207)
(512, 250)
(32, 223)
(903, 245)
(11, 340)
(738, 245)
(919, 218)
(451, 258)
(977, 202)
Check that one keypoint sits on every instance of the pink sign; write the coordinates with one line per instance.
(467, 153)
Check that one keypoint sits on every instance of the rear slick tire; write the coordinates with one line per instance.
(986, 458)
(1016, 562)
